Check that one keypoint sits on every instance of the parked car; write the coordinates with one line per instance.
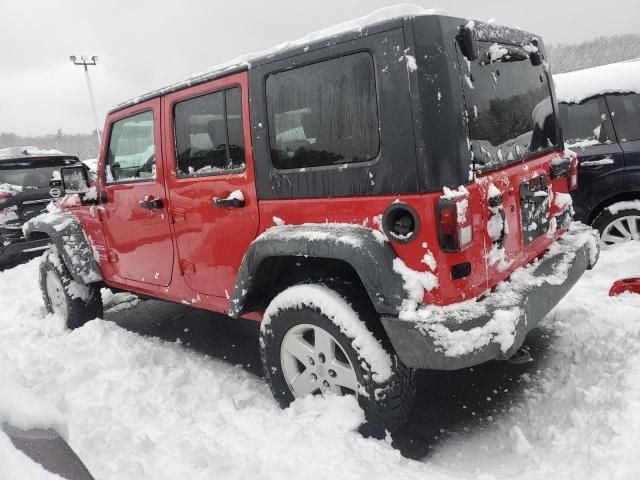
(600, 117)
(366, 195)
(26, 188)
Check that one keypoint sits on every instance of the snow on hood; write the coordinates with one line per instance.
(574, 87)
(10, 188)
(29, 151)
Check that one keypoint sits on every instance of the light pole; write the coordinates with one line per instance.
(84, 61)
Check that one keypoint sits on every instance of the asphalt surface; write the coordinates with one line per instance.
(447, 403)
(50, 450)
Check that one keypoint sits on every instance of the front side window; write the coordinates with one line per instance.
(625, 113)
(324, 114)
(132, 155)
(209, 134)
(584, 124)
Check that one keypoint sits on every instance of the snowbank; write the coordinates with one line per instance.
(19, 407)
(143, 408)
(574, 87)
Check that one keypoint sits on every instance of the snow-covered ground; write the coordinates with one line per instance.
(140, 407)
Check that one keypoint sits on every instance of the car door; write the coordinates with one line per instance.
(211, 181)
(135, 219)
(625, 113)
(588, 130)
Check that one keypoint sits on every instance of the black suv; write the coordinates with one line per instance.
(600, 116)
(29, 180)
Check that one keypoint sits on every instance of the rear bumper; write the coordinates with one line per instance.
(473, 332)
(21, 248)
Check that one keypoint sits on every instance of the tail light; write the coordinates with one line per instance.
(566, 166)
(573, 172)
(455, 223)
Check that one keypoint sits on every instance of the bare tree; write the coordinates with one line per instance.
(566, 57)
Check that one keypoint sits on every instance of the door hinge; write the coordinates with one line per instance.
(178, 215)
(187, 267)
(99, 212)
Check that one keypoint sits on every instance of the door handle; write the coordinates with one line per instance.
(150, 203)
(597, 162)
(228, 202)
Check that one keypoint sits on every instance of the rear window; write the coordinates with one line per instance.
(324, 114)
(31, 173)
(511, 114)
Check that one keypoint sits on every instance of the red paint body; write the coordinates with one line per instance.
(630, 285)
(190, 251)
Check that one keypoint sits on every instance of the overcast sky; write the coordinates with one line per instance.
(145, 44)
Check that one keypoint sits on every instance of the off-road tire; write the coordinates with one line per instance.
(83, 302)
(606, 218)
(386, 405)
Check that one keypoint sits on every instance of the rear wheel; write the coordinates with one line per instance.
(74, 302)
(313, 347)
(621, 227)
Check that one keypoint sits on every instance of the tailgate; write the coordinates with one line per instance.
(524, 210)
(514, 138)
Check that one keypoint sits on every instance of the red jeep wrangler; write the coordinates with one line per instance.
(388, 198)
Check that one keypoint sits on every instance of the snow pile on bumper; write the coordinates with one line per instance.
(493, 326)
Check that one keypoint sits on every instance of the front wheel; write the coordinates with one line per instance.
(619, 227)
(74, 302)
(313, 342)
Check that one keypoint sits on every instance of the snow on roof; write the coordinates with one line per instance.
(358, 24)
(392, 12)
(574, 87)
(29, 151)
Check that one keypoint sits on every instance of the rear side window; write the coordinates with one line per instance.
(132, 154)
(625, 113)
(209, 134)
(585, 124)
(324, 114)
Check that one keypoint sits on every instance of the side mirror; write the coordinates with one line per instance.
(534, 52)
(75, 179)
(56, 181)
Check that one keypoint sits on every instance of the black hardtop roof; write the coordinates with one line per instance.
(484, 31)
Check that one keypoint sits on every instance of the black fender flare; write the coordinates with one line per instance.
(72, 245)
(615, 196)
(366, 250)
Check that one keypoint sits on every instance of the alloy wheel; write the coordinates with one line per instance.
(622, 229)
(56, 294)
(313, 361)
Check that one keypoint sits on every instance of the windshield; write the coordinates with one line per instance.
(511, 115)
(31, 173)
